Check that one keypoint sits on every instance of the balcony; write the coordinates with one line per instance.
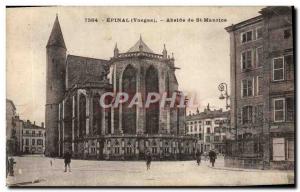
(32, 135)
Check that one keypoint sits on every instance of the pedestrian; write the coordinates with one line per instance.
(7, 166)
(11, 166)
(198, 157)
(50, 162)
(212, 157)
(148, 159)
(67, 159)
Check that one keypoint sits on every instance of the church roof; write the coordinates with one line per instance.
(56, 37)
(82, 70)
(11, 102)
(136, 47)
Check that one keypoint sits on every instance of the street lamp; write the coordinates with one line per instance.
(224, 93)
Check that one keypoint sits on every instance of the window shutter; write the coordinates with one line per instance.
(289, 65)
(278, 149)
(254, 60)
(290, 109)
(253, 86)
(242, 89)
(242, 64)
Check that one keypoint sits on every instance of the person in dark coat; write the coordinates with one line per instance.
(7, 166)
(67, 159)
(212, 157)
(148, 159)
(11, 164)
(198, 157)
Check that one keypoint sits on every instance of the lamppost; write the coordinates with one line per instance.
(224, 93)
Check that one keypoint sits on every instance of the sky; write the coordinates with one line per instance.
(201, 49)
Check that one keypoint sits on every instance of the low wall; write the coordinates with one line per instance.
(282, 165)
(246, 163)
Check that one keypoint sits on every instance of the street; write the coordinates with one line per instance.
(37, 171)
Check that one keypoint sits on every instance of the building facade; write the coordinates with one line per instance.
(211, 128)
(33, 138)
(262, 90)
(76, 121)
(11, 141)
(19, 134)
(24, 137)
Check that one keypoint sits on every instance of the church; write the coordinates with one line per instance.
(76, 122)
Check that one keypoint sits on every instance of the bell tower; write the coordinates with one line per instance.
(55, 85)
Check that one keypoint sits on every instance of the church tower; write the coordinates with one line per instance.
(55, 85)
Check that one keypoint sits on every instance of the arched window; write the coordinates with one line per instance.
(97, 115)
(75, 116)
(68, 119)
(129, 87)
(82, 115)
(152, 112)
(167, 85)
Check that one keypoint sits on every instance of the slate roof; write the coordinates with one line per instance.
(85, 69)
(56, 37)
(136, 47)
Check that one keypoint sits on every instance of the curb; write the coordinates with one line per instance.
(26, 183)
(229, 169)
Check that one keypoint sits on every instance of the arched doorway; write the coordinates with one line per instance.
(129, 87)
(152, 112)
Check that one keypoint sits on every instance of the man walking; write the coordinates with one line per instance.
(212, 157)
(67, 159)
(148, 159)
(198, 157)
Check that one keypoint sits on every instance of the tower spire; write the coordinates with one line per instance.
(116, 50)
(56, 37)
(165, 53)
(141, 44)
(55, 86)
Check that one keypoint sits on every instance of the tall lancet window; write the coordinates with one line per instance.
(129, 87)
(82, 115)
(167, 85)
(97, 115)
(152, 112)
(68, 118)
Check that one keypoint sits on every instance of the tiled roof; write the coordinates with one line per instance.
(208, 114)
(85, 69)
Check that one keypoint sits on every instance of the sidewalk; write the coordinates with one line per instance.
(219, 165)
(38, 172)
(234, 169)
